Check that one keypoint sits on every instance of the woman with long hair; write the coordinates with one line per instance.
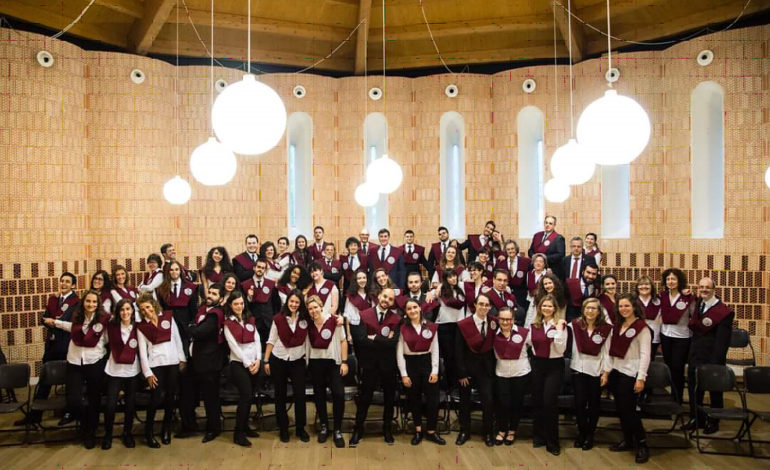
(608, 297)
(301, 256)
(100, 282)
(230, 285)
(449, 262)
(357, 300)
(379, 281)
(452, 308)
(549, 284)
(217, 264)
(295, 278)
(121, 289)
(647, 298)
(533, 277)
(268, 252)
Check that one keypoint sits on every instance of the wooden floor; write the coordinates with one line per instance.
(372, 453)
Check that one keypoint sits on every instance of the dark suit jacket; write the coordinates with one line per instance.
(566, 263)
(183, 316)
(469, 363)
(379, 353)
(711, 347)
(397, 273)
(208, 353)
(554, 253)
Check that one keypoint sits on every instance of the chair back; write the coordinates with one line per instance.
(53, 373)
(714, 378)
(14, 375)
(757, 379)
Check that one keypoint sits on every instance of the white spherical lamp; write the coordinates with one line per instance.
(213, 164)
(556, 191)
(249, 117)
(571, 165)
(767, 177)
(365, 195)
(614, 129)
(177, 190)
(384, 174)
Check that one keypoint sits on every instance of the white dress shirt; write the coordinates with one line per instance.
(245, 353)
(168, 353)
(653, 324)
(116, 369)
(680, 328)
(402, 349)
(279, 350)
(559, 343)
(585, 363)
(353, 262)
(154, 284)
(351, 311)
(572, 263)
(637, 359)
(334, 351)
(448, 314)
(507, 368)
(81, 355)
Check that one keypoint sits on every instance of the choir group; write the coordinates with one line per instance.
(475, 315)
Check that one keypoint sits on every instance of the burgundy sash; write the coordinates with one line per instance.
(419, 342)
(374, 327)
(122, 353)
(150, 276)
(299, 259)
(509, 348)
(457, 269)
(214, 277)
(245, 261)
(516, 278)
(201, 317)
(335, 268)
(128, 292)
(323, 292)
(531, 283)
(157, 334)
(476, 242)
(453, 302)
(53, 305)
(313, 250)
(541, 342)
(359, 302)
(390, 261)
(540, 246)
(186, 292)
(347, 269)
(472, 336)
(508, 299)
(575, 293)
(290, 339)
(242, 334)
(436, 250)
(322, 339)
(260, 296)
(90, 338)
(607, 304)
(592, 252)
(469, 287)
(592, 345)
(712, 317)
(414, 257)
(671, 314)
(620, 343)
(652, 309)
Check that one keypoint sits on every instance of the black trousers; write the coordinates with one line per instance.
(323, 373)
(481, 380)
(188, 398)
(547, 377)
(622, 388)
(114, 385)
(696, 399)
(93, 377)
(247, 387)
(676, 351)
(282, 371)
(371, 379)
(446, 350)
(162, 395)
(509, 401)
(208, 385)
(358, 333)
(588, 392)
(418, 369)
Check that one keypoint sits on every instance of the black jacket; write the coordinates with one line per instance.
(207, 351)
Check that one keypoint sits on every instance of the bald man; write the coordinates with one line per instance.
(365, 245)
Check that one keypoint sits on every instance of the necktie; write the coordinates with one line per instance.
(176, 292)
(484, 329)
(259, 285)
(545, 235)
(585, 289)
(382, 255)
(382, 316)
(702, 308)
(350, 262)
(574, 268)
(329, 263)
(409, 249)
(443, 247)
(61, 301)
(253, 257)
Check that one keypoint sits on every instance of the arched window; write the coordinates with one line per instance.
(452, 171)
(299, 139)
(707, 161)
(530, 126)
(616, 211)
(375, 146)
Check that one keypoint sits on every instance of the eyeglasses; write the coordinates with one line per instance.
(505, 319)
(591, 308)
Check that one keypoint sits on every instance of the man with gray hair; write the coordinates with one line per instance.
(572, 266)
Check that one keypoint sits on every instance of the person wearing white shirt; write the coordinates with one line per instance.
(327, 354)
(626, 373)
(356, 301)
(539, 266)
(590, 349)
(154, 278)
(677, 304)
(449, 263)
(417, 359)
(122, 370)
(161, 354)
(548, 339)
(86, 357)
(245, 357)
(512, 376)
(452, 308)
(649, 302)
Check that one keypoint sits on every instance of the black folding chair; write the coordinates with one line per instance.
(740, 339)
(660, 404)
(12, 377)
(54, 375)
(719, 378)
(757, 382)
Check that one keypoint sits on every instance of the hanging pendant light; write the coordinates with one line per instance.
(571, 165)
(384, 174)
(365, 195)
(248, 116)
(556, 191)
(614, 129)
(177, 191)
(767, 177)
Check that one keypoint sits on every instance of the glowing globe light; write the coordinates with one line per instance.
(248, 117)
(213, 164)
(384, 174)
(571, 165)
(177, 191)
(614, 129)
(767, 177)
(556, 191)
(365, 195)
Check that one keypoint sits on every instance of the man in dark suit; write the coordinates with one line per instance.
(389, 257)
(551, 244)
(712, 327)
(437, 250)
(572, 266)
(263, 299)
(476, 243)
(577, 290)
(316, 249)
(243, 264)
(414, 255)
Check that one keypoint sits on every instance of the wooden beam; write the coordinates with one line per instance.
(132, 8)
(50, 19)
(473, 57)
(263, 25)
(364, 15)
(460, 28)
(578, 37)
(146, 29)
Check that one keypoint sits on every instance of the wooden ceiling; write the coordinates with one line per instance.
(298, 33)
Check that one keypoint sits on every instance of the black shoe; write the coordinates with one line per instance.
(184, 433)
(241, 440)
(642, 453)
(128, 441)
(689, 425)
(462, 438)
(711, 427)
(588, 444)
(555, 450)
(323, 434)
(489, 440)
(621, 446)
(578, 444)
(27, 420)
(89, 442)
(339, 441)
(417, 438)
(284, 436)
(355, 438)
(435, 438)
(107, 442)
(536, 442)
(251, 432)
(302, 435)
(387, 436)
(210, 436)
(66, 419)
(165, 437)
(151, 442)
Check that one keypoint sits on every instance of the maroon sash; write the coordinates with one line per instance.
(335, 268)
(390, 261)
(607, 304)
(476, 242)
(469, 288)
(261, 296)
(593, 252)
(540, 246)
(242, 334)
(323, 338)
(436, 250)
(290, 339)
(214, 277)
(90, 338)
(472, 336)
(671, 314)
(510, 348)
(418, 252)
(516, 278)
(454, 301)
(157, 334)
(374, 327)
(299, 259)
(652, 309)
(122, 353)
(359, 302)
(457, 269)
(323, 292)
(574, 291)
(186, 292)
(150, 276)
(532, 283)
(592, 345)
(347, 269)
(284, 289)
(620, 343)
(201, 317)
(508, 300)
(541, 342)
(53, 305)
(313, 250)
(419, 342)
(702, 324)
(128, 292)
(245, 261)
